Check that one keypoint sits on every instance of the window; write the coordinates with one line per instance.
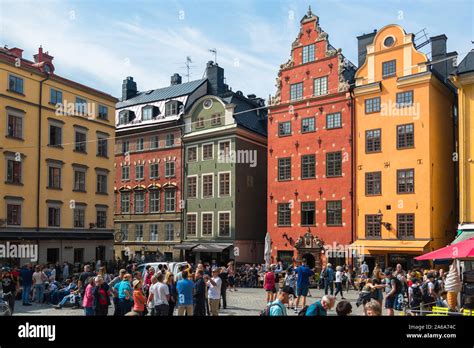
(224, 149)
(15, 84)
(192, 186)
(101, 183)
(333, 164)
(372, 105)
(14, 172)
(334, 213)
(207, 181)
(308, 214)
(140, 172)
(103, 112)
(372, 226)
(296, 91)
(140, 144)
(389, 68)
(207, 224)
(169, 169)
(125, 173)
(405, 181)
(169, 232)
(154, 142)
(101, 218)
(125, 202)
(404, 99)
(124, 231)
(200, 122)
(191, 224)
(321, 86)
(153, 232)
(215, 120)
(79, 180)
(102, 146)
(169, 140)
(207, 152)
(405, 226)
(373, 183)
(308, 53)
(13, 214)
(139, 232)
(224, 224)
(54, 216)
(154, 171)
(307, 125)
(373, 140)
(308, 166)
(284, 214)
(154, 201)
(54, 177)
(15, 126)
(171, 108)
(80, 141)
(170, 200)
(333, 120)
(147, 113)
(284, 129)
(224, 184)
(125, 147)
(192, 154)
(389, 41)
(405, 136)
(55, 135)
(55, 96)
(81, 105)
(124, 117)
(139, 202)
(284, 169)
(79, 217)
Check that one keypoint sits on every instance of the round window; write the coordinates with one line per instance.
(389, 41)
(207, 103)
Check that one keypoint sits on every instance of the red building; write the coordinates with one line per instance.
(310, 151)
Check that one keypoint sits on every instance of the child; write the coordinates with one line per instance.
(344, 308)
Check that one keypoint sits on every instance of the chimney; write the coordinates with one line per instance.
(17, 52)
(215, 77)
(362, 42)
(176, 79)
(129, 88)
(438, 52)
(41, 57)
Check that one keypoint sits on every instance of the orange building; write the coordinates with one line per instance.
(404, 133)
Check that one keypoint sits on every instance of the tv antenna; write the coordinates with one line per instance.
(213, 50)
(188, 66)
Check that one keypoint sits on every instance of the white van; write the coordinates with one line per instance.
(173, 267)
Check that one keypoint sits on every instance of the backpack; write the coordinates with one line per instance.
(417, 293)
(266, 311)
(398, 285)
(303, 311)
(425, 293)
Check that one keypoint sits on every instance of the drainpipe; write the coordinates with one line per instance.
(183, 164)
(353, 164)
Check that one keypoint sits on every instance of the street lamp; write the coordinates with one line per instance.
(387, 225)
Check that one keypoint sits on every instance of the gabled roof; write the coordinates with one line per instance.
(254, 120)
(169, 92)
(467, 64)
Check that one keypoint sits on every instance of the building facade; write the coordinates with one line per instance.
(464, 81)
(225, 175)
(404, 134)
(309, 202)
(57, 184)
(149, 168)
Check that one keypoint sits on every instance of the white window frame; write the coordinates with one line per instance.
(218, 222)
(202, 152)
(202, 185)
(197, 153)
(219, 184)
(197, 225)
(197, 186)
(157, 233)
(202, 222)
(224, 141)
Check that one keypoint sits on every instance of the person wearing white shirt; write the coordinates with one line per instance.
(159, 296)
(339, 282)
(214, 292)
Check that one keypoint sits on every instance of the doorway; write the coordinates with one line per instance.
(310, 260)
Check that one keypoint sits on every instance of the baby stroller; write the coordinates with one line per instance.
(5, 310)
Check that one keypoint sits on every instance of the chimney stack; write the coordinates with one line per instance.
(215, 77)
(129, 88)
(438, 52)
(176, 79)
(41, 57)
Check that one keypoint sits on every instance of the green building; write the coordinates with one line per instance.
(225, 175)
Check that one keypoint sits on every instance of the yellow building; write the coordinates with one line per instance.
(464, 81)
(404, 138)
(56, 174)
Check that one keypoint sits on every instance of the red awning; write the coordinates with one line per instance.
(461, 250)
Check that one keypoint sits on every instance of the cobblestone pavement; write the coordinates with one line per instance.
(245, 301)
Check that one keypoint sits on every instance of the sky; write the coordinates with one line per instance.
(99, 43)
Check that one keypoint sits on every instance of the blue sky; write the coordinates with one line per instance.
(99, 43)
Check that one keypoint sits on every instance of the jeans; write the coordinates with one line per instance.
(125, 306)
(25, 294)
(339, 289)
(328, 285)
(89, 311)
(39, 288)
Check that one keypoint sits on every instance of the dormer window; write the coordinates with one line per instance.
(172, 108)
(126, 116)
(149, 112)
